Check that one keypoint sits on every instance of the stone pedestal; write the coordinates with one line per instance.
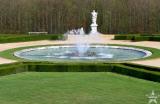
(94, 29)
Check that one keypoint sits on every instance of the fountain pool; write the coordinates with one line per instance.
(83, 49)
(93, 52)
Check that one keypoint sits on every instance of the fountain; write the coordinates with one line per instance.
(81, 43)
(79, 31)
(83, 49)
(94, 26)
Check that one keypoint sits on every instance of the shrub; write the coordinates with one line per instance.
(141, 38)
(138, 37)
(155, 38)
(69, 67)
(120, 37)
(150, 68)
(12, 69)
(125, 37)
(138, 71)
(143, 72)
(146, 34)
(24, 38)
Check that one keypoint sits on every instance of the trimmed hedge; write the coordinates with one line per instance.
(150, 68)
(138, 37)
(138, 71)
(65, 67)
(13, 68)
(24, 38)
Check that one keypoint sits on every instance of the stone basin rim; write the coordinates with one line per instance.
(147, 53)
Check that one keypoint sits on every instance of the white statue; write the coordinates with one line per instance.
(94, 17)
(94, 24)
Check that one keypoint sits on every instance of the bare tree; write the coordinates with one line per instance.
(57, 16)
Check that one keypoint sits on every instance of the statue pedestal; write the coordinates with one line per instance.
(94, 29)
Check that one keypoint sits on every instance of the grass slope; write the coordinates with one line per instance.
(74, 88)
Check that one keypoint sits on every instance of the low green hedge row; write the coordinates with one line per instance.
(65, 67)
(13, 68)
(142, 67)
(138, 71)
(138, 37)
(24, 38)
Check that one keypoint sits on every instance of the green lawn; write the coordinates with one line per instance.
(74, 88)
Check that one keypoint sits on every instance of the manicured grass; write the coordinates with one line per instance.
(74, 88)
(9, 54)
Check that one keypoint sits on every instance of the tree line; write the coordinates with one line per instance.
(58, 16)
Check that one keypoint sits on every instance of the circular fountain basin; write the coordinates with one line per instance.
(94, 52)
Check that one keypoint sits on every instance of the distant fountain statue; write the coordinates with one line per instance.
(79, 31)
(82, 45)
(94, 24)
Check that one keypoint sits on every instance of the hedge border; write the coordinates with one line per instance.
(133, 70)
(25, 38)
(138, 37)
